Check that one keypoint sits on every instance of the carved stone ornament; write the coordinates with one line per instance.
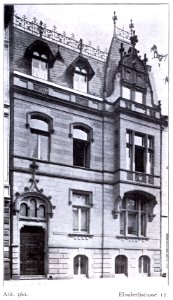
(32, 192)
(117, 207)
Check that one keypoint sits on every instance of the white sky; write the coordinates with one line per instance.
(93, 22)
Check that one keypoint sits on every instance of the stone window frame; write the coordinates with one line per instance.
(87, 206)
(148, 148)
(87, 129)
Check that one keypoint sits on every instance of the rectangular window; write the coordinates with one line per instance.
(139, 152)
(80, 212)
(39, 69)
(80, 82)
(139, 97)
(133, 218)
(80, 153)
(126, 93)
(39, 146)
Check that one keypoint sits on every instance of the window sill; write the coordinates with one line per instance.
(123, 237)
(28, 219)
(80, 234)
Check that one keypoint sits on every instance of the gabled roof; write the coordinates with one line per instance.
(43, 48)
(82, 63)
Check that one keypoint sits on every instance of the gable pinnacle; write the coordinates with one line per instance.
(114, 18)
(133, 38)
(80, 46)
(131, 26)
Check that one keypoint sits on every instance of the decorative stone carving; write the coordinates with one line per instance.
(117, 207)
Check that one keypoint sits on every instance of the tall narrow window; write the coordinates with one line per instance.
(144, 265)
(129, 148)
(80, 80)
(39, 65)
(81, 209)
(39, 147)
(150, 155)
(139, 153)
(81, 147)
(24, 210)
(81, 265)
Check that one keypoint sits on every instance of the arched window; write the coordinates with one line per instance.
(33, 208)
(81, 146)
(144, 265)
(81, 265)
(41, 126)
(41, 211)
(80, 80)
(39, 65)
(23, 210)
(121, 264)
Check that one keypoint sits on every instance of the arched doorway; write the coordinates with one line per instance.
(121, 265)
(32, 244)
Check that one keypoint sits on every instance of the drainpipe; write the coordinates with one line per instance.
(103, 160)
(161, 199)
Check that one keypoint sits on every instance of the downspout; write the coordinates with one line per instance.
(103, 160)
(11, 137)
(160, 199)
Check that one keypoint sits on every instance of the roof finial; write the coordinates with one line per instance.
(80, 46)
(131, 26)
(133, 38)
(114, 18)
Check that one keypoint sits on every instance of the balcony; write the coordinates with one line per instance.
(132, 106)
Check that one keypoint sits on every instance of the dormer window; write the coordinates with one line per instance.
(40, 59)
(80, 72)
(39, 65)
(80, 80)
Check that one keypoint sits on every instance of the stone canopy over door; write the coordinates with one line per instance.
(31, 213)
(32, 250)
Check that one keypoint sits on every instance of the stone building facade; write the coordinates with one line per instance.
(85, 157)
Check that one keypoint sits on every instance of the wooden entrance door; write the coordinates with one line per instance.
(31, 251)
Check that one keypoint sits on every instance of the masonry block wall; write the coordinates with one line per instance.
(110, 245)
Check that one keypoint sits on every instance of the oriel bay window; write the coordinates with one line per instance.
(139, 152)
(133, 217)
